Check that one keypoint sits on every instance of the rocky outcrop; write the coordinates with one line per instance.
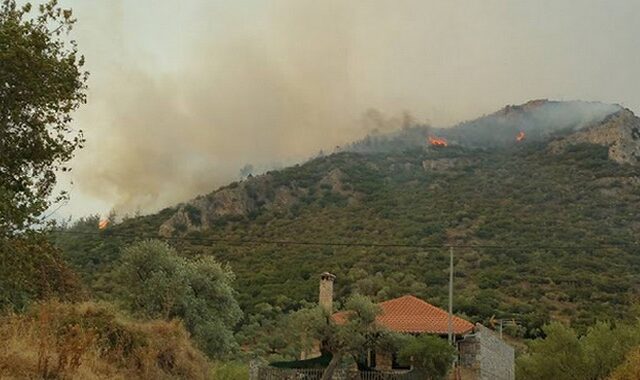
(619, 131)
(334, 180)
(237, 200)
(246, 198)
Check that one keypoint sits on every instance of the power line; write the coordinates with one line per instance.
(239, 242)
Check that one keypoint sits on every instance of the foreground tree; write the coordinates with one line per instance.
(157, 283)
(41, 84)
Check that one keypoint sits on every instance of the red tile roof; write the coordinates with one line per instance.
(410, 314)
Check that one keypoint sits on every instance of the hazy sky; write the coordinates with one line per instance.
(184, 93)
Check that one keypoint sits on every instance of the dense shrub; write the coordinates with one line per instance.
(564, 354)
(510, 204)
(92, 341)
(431, 354)
(157, 283)
(32, 269)
(230, 371)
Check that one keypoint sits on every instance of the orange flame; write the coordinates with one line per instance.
(520, 136)
(103, 223)
(438, 141)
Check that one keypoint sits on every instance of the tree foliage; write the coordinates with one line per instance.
(41, 84)
(157, 283)
(431, 354)
(630, 368)
(563, 354)
(352, 336)
(524, 201)
(54, 340)
(32, 269)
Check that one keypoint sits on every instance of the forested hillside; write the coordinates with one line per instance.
(543, 235)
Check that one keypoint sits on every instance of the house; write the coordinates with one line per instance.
(410, 315)
(481, 352)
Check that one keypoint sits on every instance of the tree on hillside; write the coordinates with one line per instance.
(41, 84)
(562, 354)
(353, 337)
(630, 369)
(157, 283)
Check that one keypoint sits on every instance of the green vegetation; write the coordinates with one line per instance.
(563, 354)
(514, 211)
(46, 329)
(230, 371)
(92, 341)
(524, 201)
(432, 354)
(352, 336)
(157, 283)
(42, 84)
(630, 369)
(33, 270)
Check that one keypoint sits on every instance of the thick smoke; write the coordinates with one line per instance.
(185, 94)
(260, 100)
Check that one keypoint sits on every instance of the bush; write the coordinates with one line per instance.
(92, 341)
(230, 371)
(32, 270)
(563, 354)
(157, 283)
(429, 353)
(630, 369)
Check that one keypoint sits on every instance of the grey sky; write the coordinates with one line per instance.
(184, 93)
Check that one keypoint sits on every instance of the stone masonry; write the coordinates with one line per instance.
(326, 291)
(488, 356)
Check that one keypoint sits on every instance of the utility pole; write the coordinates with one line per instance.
(450, 330)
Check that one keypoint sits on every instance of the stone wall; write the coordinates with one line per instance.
(487, 355)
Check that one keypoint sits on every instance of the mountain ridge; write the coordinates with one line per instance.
(525, 214)
(619, 131)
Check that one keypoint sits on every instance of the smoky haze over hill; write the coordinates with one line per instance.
(183, 95)
(537, 120)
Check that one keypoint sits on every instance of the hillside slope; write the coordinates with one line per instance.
(515, 207)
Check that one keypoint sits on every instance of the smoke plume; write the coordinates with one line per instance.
(185, 94)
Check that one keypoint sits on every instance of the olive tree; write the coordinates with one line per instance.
(155, 282)
(351, 336)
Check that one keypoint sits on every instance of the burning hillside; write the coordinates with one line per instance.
(438, 142)
(562, 123)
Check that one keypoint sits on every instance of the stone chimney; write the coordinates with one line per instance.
(326, 291)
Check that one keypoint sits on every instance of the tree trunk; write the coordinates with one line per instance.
(333, 364)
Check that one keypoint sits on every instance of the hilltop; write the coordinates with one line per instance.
(573, 181)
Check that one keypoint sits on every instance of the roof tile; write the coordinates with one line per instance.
(410, 314)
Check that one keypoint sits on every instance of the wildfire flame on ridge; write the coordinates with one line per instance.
(103, 223)
(437, 141)
(520, 136)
